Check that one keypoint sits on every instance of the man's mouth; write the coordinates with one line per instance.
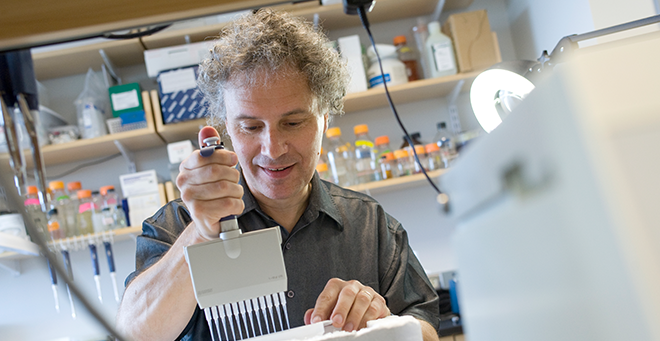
(276, 169)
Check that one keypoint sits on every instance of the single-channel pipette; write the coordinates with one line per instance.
(69, 270)
(53, 284)
(97, 272)
(111, 266)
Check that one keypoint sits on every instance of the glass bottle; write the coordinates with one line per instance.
(403, 165)
(382, 145)
(97, 214)
(406, 56)
(388, 166)
(365, 155)
(66, 213)
(85, 212)
(421, 34)
(324, 172)
(423, 163)
(72, 189)
(340, 158)
(416, 138)
(445, 140)
(434, 157)
(33, 207)
(55, 231)
(440, 51)
(109, 200)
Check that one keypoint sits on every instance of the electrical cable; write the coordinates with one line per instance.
(138, 34)
(365, 23)
(79, 167)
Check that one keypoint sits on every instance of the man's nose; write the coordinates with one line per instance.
(274, 144)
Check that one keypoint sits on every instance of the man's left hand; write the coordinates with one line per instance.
(348, 304)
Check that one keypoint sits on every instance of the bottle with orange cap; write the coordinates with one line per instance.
(365, 156)
(33, 207)
(403, 164)
(340, 158)
(406, 56)
(73, 187)
(388, 166)
(434, 157)
(423, 162)
(61, 200)
(85, 211)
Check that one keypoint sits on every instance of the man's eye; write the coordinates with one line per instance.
(251, 128)
(293, 124)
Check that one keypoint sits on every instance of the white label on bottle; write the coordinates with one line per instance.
(125, 100)
(378, 80)
(443, 56)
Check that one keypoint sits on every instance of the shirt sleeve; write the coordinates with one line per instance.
(405, 286)
(159, 232)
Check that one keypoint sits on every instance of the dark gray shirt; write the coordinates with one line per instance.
(341, 234)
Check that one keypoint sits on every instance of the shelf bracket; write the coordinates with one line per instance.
(11, 265)
(454, 121)
(128, 155)
(110, 66)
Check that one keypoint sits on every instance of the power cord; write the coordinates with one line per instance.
(365, 23)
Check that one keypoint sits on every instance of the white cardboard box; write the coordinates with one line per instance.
(179, 151)
(139, 183)
(141, 207)
(168, 58)
(351, 51)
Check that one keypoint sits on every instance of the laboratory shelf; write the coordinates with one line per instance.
(80, 242)
(75, 58)
(354, 102)
(98, 147)
(396, 184)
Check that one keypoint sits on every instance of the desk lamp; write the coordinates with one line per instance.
(498, 90)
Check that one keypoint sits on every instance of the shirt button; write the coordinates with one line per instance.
(288, 246)
(290, 294)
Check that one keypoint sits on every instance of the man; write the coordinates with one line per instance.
(272, 82)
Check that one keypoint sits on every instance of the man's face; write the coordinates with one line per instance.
(276, 132)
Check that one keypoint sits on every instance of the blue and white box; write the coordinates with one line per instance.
(180, 99)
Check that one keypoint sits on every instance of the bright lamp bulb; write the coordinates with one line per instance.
(486, 90)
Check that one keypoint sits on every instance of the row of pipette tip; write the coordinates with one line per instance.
(233, 317)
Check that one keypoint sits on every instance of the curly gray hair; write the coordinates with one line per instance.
(272, 42)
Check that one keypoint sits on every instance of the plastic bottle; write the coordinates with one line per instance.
(407, 57)
(434, 157)
(393, 68)
(324, 171)
(366, 164)
(445, 140)
(97, 213)
(340, 158)
(55, 230)
(72, 188)
(382, 145)
(388, 166)
(421, 154)
(440, 51)
(85, 212)
(33, 207)
(61, 200)
(403, 165)
(421, 34)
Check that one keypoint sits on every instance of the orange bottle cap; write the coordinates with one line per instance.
(84, 193)
(400, 153)
(389, 156)
(73, 186)
(322, 167)
(104, 189)
(332, 132)
(431, 147)
(382, 140)
(32, 190)
(361, 129)
(420, 149)
(399, 40)
(53, 185)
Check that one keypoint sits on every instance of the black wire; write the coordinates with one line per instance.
(79, 167)
(137, 34)
(365, 22)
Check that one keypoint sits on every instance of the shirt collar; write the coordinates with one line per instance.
(319, 201)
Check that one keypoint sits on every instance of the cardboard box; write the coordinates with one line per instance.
(158, 60)
(474, 44)
(140, 183)
(180, 100)
(126, 99)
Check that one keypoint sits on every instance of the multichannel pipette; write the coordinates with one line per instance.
(97, 272)
(239, 277)
(69, 270)
(111, 266)
(53, 284)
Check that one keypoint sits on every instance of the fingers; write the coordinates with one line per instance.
(205, 133)
(308, 316)
(349, 305)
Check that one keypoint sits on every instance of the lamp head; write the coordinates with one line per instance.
(498, 90)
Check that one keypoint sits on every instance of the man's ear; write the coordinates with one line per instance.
(326, 117)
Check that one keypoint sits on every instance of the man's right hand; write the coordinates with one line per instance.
(209, 187)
